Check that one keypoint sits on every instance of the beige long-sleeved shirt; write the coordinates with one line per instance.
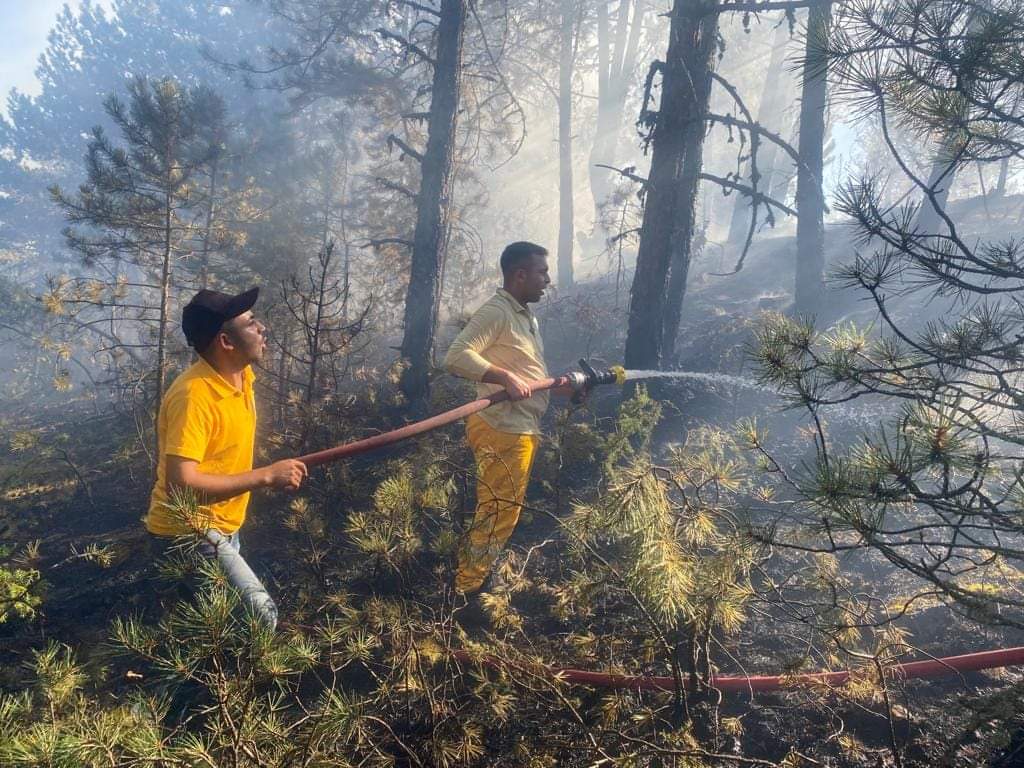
(505, 334)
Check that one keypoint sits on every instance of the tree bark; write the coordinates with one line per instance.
(680, 124)
(940, 179)
(810, 198)
(566, 219)
(433, 204)
(682, 242)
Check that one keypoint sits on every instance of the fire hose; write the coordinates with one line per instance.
(938, 667)
(579, 383)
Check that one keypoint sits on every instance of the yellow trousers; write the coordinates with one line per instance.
(503, 463)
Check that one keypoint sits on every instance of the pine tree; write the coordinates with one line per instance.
(943, 373)
(138, 216)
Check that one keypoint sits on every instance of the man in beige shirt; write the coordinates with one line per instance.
(501, 349)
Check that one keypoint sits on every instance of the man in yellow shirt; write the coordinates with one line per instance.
(205, 434)
(501, 349)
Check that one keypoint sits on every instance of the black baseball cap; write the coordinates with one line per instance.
(202, 318)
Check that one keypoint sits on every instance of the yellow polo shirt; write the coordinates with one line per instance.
(505, 334)
(206, 419)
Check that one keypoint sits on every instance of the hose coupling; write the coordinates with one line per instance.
(588, 377)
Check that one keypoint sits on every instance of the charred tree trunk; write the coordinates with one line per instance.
(769, 114)
(433, 203)
(566, 219)
(689, 184)
(810, 198)
(682, 243)
(679, 125)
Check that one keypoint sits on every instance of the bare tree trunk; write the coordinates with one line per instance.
(283, 376)
(940, 179)
(680, 124)
(566, 223)
(615, 72)
(682, 241)
(599, 184)
(769, 114)
(204, 258)
(165, 298)
(314, 331)
(810, 199)
(433, 204)
(346, 264)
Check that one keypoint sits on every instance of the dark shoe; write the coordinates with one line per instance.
(472, 615)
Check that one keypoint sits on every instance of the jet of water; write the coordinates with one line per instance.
(866, 415)
(707, 378)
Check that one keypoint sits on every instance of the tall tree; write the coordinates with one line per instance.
(676, 140)
(568, 28)
(952, 148)
(677, 132)
(137, 211)
(433, 202)
(94, 51)
(810, 197)
(544, 61)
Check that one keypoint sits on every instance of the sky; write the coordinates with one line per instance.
(26, 24)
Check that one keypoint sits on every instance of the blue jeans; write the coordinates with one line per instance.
(227, 551)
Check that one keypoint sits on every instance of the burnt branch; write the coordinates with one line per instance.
(759, 197)
(407, 45)
(394, 141)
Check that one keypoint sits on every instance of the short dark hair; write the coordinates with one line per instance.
(515, 254)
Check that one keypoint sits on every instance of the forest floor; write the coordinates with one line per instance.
(72, 476)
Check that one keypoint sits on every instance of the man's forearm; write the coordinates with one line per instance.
(495, 375)
(214, 488)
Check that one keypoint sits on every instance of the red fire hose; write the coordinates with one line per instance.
(419, 427)
(949, 665)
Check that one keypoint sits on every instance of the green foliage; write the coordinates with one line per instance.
(19, 585)
(666, 536)
(930, 456)
(388, 532)
(392, 532)
(633, 428)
